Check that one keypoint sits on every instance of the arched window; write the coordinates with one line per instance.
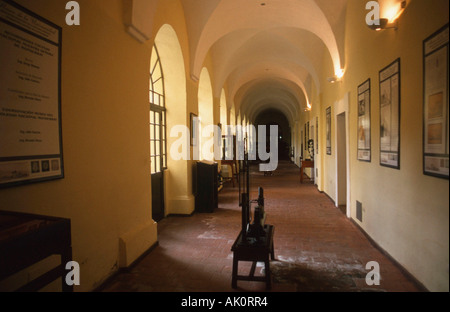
(158, 133)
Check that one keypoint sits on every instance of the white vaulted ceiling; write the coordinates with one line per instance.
(268, 53)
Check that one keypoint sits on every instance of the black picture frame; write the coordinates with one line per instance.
(301, 143)
(328, 130)
(317, 135)
(307, 132)
(40, 159)
(390, 114)
(436, 104)
(364, 128)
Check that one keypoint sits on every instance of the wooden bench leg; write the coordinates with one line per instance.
(272, 252)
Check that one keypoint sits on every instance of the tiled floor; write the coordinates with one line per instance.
(317, 248)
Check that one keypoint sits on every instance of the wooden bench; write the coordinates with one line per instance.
(261, 250)
(26, 239)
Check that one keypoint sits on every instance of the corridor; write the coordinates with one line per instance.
(317, 248)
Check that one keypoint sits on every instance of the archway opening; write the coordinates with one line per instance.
(172, 61)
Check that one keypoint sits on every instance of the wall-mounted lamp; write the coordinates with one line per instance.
(337, 76)
(383, 23)
(333, 79)
(390, 10)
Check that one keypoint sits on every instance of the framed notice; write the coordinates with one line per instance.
(30, 97)
(328, 134)
(307, 132)
(301, 143)
(390, 115)
(317, 135)
(435, 113)
(364, 128)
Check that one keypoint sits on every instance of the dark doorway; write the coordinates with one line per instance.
(273, 117)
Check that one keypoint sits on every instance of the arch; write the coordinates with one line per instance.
(300, 14)
(285, 58)
(172, 60)
(205, 112)
(257, 95)
(300, 87)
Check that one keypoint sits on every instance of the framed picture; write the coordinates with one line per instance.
(328, 121)
(194, 129)
(364, 127)
(307, 132)
(317, 135)
(435, 104)
(390, 115)
(301, 143)
(30, 109)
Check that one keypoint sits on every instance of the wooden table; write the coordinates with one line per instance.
(26, 239)
(259, 251)
(305, 164)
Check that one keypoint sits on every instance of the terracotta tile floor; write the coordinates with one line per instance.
(317, 248)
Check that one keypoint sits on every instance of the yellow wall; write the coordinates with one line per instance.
(105, 130)
(404, 211)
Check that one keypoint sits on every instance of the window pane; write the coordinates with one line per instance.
(152, 117)
(152, 132)
(157, 133)
(158, 148)
(152, 148)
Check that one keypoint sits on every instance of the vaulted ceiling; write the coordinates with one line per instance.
(267, 53)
